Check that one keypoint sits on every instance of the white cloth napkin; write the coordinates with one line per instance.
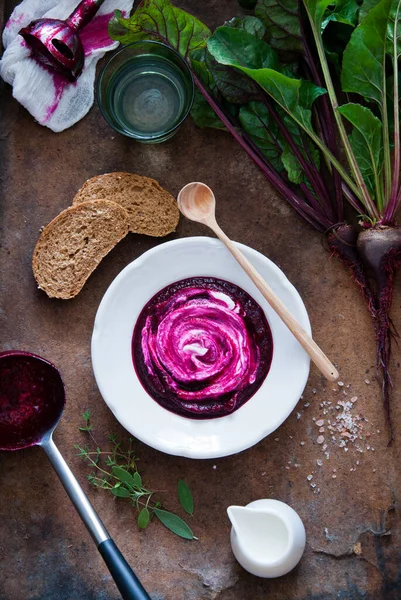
(54, 102)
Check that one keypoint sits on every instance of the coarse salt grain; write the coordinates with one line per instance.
(320, 422)
(309, 477)
(320, 439)
(302, 443)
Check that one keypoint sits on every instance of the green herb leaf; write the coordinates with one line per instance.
(143, 518)
(367, 143)
(123, 475)
(86, 417)
(159, 19)
(185, 497)
(120, 492)
(174, 523)
(118, 461)
(137, 480)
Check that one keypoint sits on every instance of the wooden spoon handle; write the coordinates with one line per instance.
(316, 354)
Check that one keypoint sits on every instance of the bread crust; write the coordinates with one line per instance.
(72, 245)
(152, 210)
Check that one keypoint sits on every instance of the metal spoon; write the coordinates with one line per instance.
(32, 399)
(56, 43)
(196, 201)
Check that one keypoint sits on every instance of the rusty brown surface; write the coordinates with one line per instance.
(45, 552)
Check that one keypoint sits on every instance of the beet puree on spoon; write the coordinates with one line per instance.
(32, 400)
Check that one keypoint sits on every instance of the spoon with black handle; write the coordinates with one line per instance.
(32, 399)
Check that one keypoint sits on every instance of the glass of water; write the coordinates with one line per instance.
(145, 91)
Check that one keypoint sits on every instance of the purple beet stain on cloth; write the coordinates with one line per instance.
(95, 35)
(15, 20)
(59, 85)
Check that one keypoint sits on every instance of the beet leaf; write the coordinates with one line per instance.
(282, 23)
(160, 20)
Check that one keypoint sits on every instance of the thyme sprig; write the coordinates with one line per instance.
(115, 470)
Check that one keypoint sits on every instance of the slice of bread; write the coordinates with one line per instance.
(73, 244)
(152, 210)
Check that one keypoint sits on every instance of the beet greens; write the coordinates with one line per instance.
(289, 83)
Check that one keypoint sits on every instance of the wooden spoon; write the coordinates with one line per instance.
(197, 202)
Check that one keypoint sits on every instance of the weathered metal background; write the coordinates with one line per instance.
(353, 524)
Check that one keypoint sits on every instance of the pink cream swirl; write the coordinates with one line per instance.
(201, 347)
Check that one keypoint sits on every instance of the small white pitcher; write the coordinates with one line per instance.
(267, 537)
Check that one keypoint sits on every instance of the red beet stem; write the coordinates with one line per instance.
(380, 249)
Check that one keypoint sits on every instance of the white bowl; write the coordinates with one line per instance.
(118, 383)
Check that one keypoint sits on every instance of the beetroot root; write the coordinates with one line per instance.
(380, 249)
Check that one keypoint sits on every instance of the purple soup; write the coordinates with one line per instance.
(30, 393)
(202, 347)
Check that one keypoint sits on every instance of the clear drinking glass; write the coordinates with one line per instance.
(145, 91)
